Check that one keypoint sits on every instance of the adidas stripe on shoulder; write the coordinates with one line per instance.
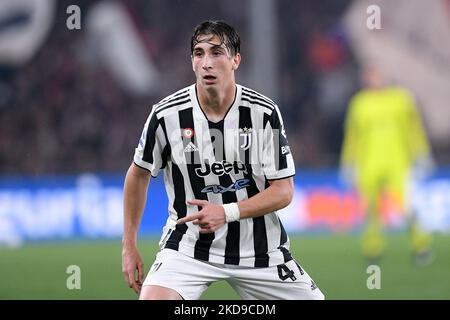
(172, 96)
(179, 98)
(254, 97)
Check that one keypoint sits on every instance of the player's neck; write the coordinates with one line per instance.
(215, 103)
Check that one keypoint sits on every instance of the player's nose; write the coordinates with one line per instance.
(206, 63)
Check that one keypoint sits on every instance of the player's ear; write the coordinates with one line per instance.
(236, 61)
(192, 62)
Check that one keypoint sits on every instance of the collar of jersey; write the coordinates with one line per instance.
(235, 102)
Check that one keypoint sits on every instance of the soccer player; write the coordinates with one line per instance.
(227, 170)
(383, 141)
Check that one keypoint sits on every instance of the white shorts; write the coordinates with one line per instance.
(191, 277)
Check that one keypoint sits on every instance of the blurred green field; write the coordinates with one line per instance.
(38, 271)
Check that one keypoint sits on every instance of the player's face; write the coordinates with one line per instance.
(372, 77)
(213, 63)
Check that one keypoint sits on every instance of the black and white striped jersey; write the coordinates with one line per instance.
(223, 162)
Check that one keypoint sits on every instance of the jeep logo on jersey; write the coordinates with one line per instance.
(239, 184)
(220, 168)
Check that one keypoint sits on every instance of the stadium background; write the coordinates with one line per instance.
(73, 102)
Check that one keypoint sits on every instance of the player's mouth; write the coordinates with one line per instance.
(209, 79)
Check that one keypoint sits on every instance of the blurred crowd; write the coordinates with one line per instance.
(64, 112)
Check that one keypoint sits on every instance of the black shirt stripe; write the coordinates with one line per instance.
(167, 149)
(179, 205)
(233, 235)
(259, 225)
(286, 254)
(150, 139)
(203, 244)
(283, 235)
(278, 139)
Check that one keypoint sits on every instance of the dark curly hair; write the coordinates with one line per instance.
(222, 30)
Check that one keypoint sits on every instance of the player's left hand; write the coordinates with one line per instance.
(210, 218)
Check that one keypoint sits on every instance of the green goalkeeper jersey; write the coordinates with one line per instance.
(383, 128)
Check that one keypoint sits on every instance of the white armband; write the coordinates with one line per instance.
(232, 212)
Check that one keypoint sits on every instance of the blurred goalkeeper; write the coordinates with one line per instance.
(384, 145)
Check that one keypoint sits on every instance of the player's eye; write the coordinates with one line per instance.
(217, 52)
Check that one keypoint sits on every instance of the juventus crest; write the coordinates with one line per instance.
(245, 135)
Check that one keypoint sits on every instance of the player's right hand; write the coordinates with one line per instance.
(132, 262)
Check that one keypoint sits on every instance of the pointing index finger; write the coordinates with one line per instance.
(189, 218)
(197, 202)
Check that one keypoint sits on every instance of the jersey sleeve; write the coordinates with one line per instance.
(277, 160)
(149, 154)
